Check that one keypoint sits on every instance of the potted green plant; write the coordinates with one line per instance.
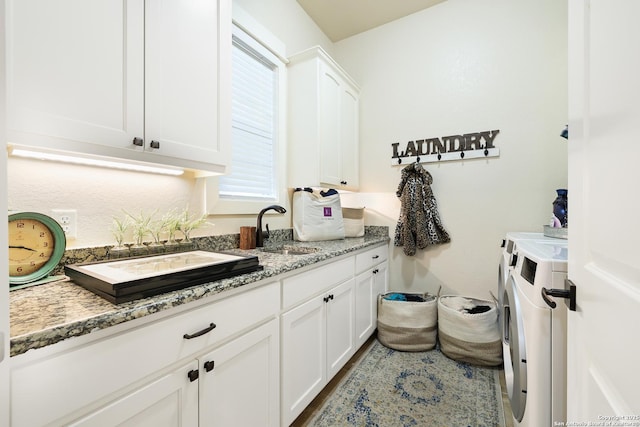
(158, 228)
(141, 229)
(188, 223)
(119, 228)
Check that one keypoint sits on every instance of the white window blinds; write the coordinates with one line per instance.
(254, 118)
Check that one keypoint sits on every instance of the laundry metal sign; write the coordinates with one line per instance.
(453, 147)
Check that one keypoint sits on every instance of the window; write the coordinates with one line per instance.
(257, 153)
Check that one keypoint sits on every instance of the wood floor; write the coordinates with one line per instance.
(307, 415)
(311, 410)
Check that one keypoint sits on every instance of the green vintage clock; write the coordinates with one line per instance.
(36, 246)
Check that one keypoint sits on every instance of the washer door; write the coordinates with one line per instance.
(503, 276)
(514, 350)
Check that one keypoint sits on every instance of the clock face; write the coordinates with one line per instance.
(36, 245)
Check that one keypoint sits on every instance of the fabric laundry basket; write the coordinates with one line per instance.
(353, 219)
(407, 322)
(468, 330)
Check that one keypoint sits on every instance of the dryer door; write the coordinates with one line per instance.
(514, 350)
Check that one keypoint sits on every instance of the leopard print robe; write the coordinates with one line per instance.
(419, 224)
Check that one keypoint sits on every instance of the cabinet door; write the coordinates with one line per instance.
(75, 73)
(349, 137)
(303, 357)
(240, 381)
(339, 121)
(323, 122)
(340, 326)
(368, 286)
(380, 280)
(365, 318)
(187, 79)
(380, 285)
(329, 129)
(170, 401)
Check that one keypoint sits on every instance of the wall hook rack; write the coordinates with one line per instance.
(444, 157)
(447, 148)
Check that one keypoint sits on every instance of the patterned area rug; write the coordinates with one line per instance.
(391, 388)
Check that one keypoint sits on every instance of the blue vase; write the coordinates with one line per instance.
(561, 208)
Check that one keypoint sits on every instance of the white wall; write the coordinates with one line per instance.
(465, 66)
(97, 194)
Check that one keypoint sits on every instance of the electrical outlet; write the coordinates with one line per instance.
(68, 220)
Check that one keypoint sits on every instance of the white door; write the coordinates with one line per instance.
(604, 236)
(4, 256)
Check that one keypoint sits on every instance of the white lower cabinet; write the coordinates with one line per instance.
(329, 312)
(256, 358)
(186, 369)
(368, 286)
(214, 390)
(317, 340)
(371, 281)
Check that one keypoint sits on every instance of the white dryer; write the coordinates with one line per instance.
(508, 261)
(534, 333)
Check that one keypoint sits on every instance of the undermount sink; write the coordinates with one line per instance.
(289, 250)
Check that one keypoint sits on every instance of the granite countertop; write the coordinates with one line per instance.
(46, 314)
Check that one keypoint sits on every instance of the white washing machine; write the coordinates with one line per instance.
(534, 332)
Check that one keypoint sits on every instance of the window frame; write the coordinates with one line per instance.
(257, 37)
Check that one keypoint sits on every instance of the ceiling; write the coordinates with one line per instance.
(340, 19)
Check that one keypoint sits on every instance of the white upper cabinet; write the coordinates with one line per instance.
(323, 122)
(188, 79)
(134, 80)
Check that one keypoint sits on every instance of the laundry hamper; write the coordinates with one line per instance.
(407, 322)
(468, 330)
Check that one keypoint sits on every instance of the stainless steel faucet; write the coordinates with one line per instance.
(261, 235)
